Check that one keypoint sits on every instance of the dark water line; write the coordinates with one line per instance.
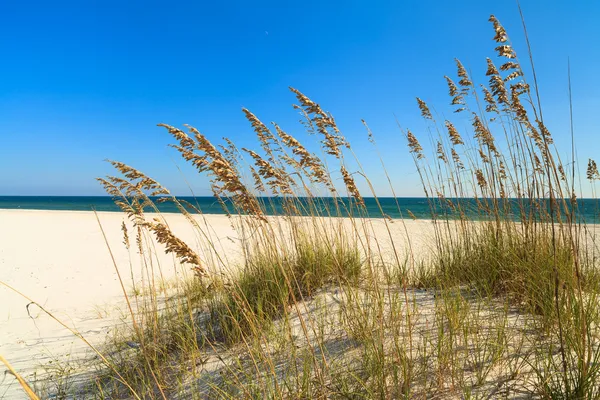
(418, 206)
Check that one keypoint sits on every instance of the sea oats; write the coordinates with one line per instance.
(305, 121)
(277, 179)
(483, 134)
(545, 132)
(181, 136)
(464, 81)
(139, 238)
(230, 151)
(265, 136)
(110, 188)
(125, 235)
(513, 75)
(225, 177)
(507, 66)
(506, 51)
(502, 191)
(457, 159)
(414, 145)
(517, 107)
(258, 184)
(592, 170)
(502, 170)
(535, 135)
(480, 179)
(537, 165)
(483, 156)
(491, 105)
(313, 166)
(440, 152)
(455, 138)
(452, 88)
(561, 171)
(499, 89)
(325, 124)
(351, 186)
(520, 88)
(176, 246)
(491, 68)
(457, 96)
(425, 113)
(501, 36)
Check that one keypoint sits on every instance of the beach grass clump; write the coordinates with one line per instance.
(271, 282)
(509, 263)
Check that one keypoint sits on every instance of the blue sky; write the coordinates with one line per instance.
(82, 81)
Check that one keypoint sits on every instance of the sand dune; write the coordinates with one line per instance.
(60, 260)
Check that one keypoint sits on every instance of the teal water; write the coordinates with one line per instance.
(394, 208)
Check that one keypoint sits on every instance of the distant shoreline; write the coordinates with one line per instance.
(375, 208)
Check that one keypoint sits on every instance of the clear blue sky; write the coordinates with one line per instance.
(81, 81)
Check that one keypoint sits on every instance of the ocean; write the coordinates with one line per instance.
(391, 207)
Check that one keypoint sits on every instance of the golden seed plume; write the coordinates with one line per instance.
(455, 138)
(351, 186)
(506, 51)
(414, 145)
(592, 170)
(313, 166)
(258, 184)
(276, 178)
(457, 159)
(325, 124)
(561, 171)
(483, 134)
(452, 88)
(484, 157)
(265, 136)
(513, 75)
(507, 66)
(440, 152)
(462, 73)
(177, 246)
(425, 113)
(499, 90)
(491, 105)
(517, 107)
(491, 68)
(545, 132)
(501, 36)
(480, 179)
(225, 177)
(125, 235)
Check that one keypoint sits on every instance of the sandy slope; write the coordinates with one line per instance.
(60, 260)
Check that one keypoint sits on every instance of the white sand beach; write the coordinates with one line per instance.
(61, 261)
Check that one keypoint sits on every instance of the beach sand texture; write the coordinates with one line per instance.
(61, 261)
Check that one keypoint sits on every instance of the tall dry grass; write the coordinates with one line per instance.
(504, 306)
